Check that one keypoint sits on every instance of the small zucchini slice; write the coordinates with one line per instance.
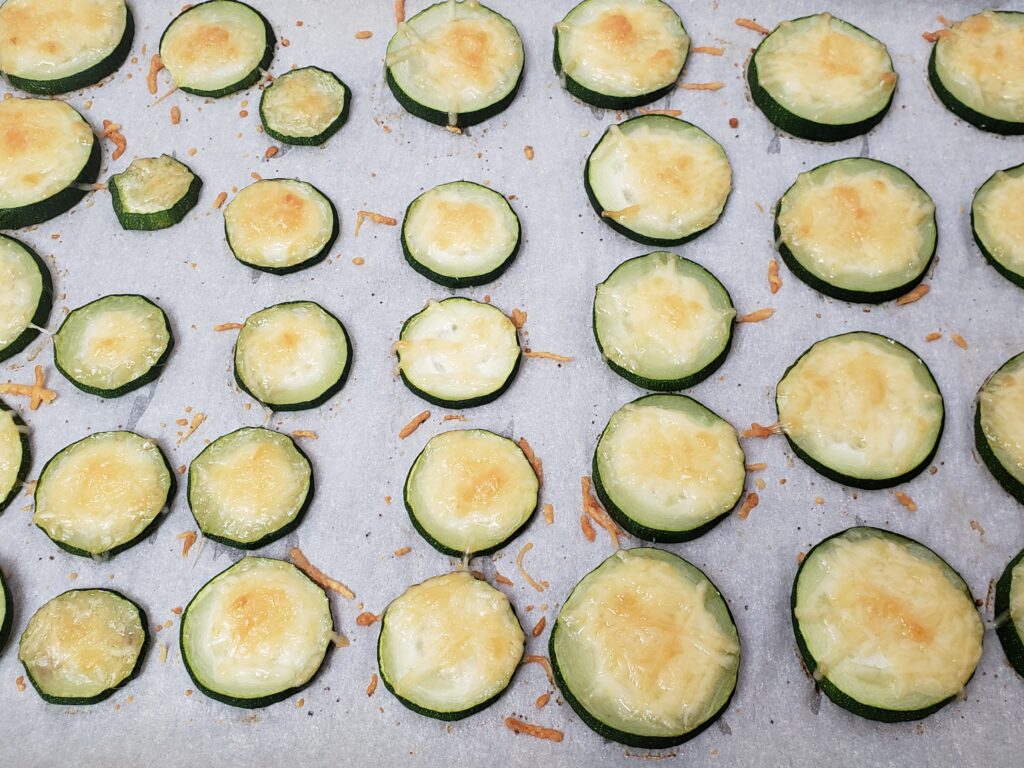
(305, 106)
(620, 54)
(448, 647)
(113, 345)
(861, 409)
(6, 612)
(658, 180)
(216, 48)
(49, 153)
(26, 296)
(103, 494)
(460, 234)
(886, 627)
(455, 63)
(280, 225)
(999, 426)
(668, 469)
(458, 353)
(56, 46)
(470, 492)
(1009, 612)
(975, 68)
(662, 321)
(15, 456)
(154, 193)
(998, 225)
(83, 645)
(249, 487)
(292, 356)
(256, 633)
(645, 649)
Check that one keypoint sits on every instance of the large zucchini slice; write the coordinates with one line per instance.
(26, 296)
(249, 487)
(455, 63)
(976, 68)
(1009, 612)
(999, 425)
(861, 409)
(6, 612)
(458, 353)
(47, 154)
(103, 494)
(448, 647)
(470, 492)
(154, 193)
(55, 46)
(113, 345)
(658, 180)
(460, 234)
(83, 645)
(645, 649)
(887, 628)
(305, 106)
(663, 322)
(620, 54)
(997, 221)
(256, 633)
(15, 456)
(292, 356)
(217, 48)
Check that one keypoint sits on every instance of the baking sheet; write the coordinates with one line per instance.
(380, 161)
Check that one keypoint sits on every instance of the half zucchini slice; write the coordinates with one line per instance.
(26, 296)
(6, 612)
(999, 426)
(154, 193)
(1009, 611)
(887, 628)
(997, 221)
(305, 106)
(15, 456)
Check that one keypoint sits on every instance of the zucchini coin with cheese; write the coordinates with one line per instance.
(999, 425)
(15, 457)
(26, 296)
(997, 221)
(305, 106)
(154, 193)
(1009, 612)
(6, 611)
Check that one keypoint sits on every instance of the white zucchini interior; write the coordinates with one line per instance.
(303, 103)
(12, 452)
(21, 288)
(1002, 416)
(153, 184)
(998, 210)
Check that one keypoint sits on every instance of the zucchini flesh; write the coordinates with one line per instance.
(103, 493)
(1009, 612)
(999, 426)
(668, 469)
(26, 296)
(887, 628)
(997, 222)
(15, 456)
(256, 633)
(83, 645)
(6, 612)
(645, 649)
(861, 409)
(304, 106)
(470, 492)
(662, 321)
(448, 647)
(658, 180)
(154, 193)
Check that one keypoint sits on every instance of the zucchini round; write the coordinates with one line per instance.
(658, 180)
(861, 409)
(999, 426)
(1009, 612)
(154, 193)
(886, 627)
(997, 223)
(256, 633)
(6, 612)
(663, 322)
(15, 456)
(645, 649)
(26, 296)
(305, 106)
(448, 647)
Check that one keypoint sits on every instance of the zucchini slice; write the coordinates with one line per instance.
(113, 345)
(55, 46)
(48, 153)
(861, 409)
(292, 356)
(458, 353)
(668, 469)
(1009, 611)
(470, 492)
(448, 647)
(455, 63)
(103, 494)
(6, 612)
(83, 645)
(460, 234)
(857, 230)
(620, 54)
(821, 78)
(662, 321)
(26, 296)
(250, 487)
(997, 222)
(658, 180)
(280, 225)
(15, 456)
(154, 193)
(305, 106)
(216, 48)
(976, 67)
(256, 633)
(999, 426)
(886, 627)
(645, 649)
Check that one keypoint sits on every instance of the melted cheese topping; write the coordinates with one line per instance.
(153, 184)
(450, 643)
(44, 145)
(303, 103)
(622, 47)
(12, 453)
(887, 622)
(998, 210)
(1016, 597)
(1002, 415)
(21, 288)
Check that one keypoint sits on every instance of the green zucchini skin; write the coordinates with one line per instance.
(149, 222)
(471, 402)
(26, 462)
(465, 119)
(324, 135)
(1008, 633)
(1008, 482)
(43, 309)
(55, 205)
(965, 113)
(5, 625)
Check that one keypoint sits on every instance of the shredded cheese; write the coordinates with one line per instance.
(757, 316)
(413, 425)
(197, 421)
(588, 530)
(519, 564)
(547, 356)
(549, 514)
(539, 627)
(774, 281)
(367, 619)
(749, 503)
(702, 86)
(155, 65)
(318, 576)
(538, 732)
(112, 131)
(535, 462)
(915, 295)
(188, 538)
(906, 501)
(376, 218)
(760, 431)
(753, 25)
(373, 685)
(36, 392)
